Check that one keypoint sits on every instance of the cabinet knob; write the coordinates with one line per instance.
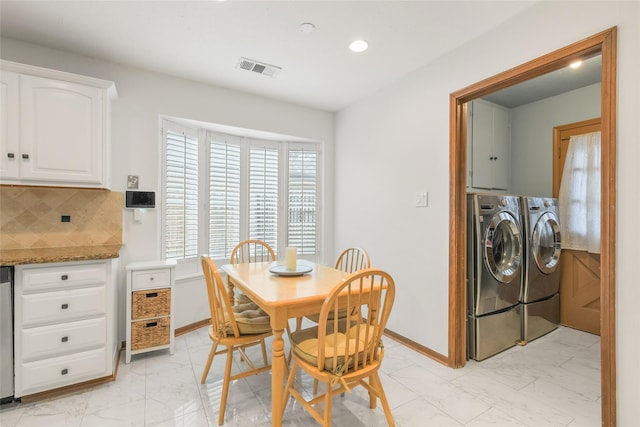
(151, 279)
(65, 371)
(64, 277)
(25, 156)
(64, 306)
(10, 155)
(64, 339)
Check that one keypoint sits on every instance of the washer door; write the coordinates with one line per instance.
(546, 243)
(503, 247)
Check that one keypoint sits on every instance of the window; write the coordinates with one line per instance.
(302, 200)
(181, 195)
(221, 189)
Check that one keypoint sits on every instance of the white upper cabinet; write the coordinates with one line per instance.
(9, 106)
(58, 131)
(490, 146)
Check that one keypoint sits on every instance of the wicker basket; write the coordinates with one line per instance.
(150, 333)
(151, 303)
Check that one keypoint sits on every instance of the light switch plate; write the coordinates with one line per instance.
(421, 199)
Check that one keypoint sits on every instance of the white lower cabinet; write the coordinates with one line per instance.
(64, 324)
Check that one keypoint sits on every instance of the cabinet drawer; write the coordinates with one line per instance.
(150, 303)
(150, 279)
(63, 306)
(63, 276)
(60, 371)
(150, 333)
(65, 338)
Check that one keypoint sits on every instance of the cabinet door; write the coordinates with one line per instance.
(501, 150)
(482, 146)
(61, 131)
(9, 124)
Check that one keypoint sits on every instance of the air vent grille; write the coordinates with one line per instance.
(258, 67)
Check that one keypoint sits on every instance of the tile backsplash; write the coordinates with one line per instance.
(31, 217)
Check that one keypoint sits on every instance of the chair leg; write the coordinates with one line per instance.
(328, 399)
(315, 387)
(287, 389)
(298, 323)
(264, 352)
(225, 385)
(212, 353)
(383, 398)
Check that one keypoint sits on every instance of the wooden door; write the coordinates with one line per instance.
(579, 270)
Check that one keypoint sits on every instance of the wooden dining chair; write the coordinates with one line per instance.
(234, 327)
(250, 251)
(349, 261)
(352, 260)
(345, 352)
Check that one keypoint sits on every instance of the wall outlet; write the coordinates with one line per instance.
(421, 199)
(65, 218)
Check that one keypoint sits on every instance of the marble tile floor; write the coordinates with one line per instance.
(553, 381)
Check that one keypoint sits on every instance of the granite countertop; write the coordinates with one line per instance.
(44, 255)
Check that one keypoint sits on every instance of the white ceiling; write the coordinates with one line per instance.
(203, 40)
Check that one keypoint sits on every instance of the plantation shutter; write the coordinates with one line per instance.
(181, 196)
(224, 199)
(263, 195)
(301, 231)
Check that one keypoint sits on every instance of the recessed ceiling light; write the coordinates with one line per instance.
(307, 27)
(359, 46)
(575, 64)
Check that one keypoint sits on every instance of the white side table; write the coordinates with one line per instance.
(150, 320)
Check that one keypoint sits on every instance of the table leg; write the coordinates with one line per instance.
(277, 377)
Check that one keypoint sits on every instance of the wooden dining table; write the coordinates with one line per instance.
(283, 297)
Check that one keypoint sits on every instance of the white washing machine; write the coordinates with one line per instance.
(494, 273)
(540, 309)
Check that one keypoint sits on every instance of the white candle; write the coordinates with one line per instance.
(290, 258)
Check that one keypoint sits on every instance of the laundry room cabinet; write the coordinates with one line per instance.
(489, 146)
(55, 128)
(65, 324)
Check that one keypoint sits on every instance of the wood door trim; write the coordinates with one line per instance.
(604, 43)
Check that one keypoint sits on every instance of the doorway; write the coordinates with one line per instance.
(603, 43)
(580, 272)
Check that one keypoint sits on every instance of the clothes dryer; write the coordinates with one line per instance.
(540, 309)
(494, 273)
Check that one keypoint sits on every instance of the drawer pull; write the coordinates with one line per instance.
(152, 324)
(11, 155)
(25, 156)
(65, 371)
(64, 339)
(64, 277)
(64, 306)
(151, 279)
(152, 294)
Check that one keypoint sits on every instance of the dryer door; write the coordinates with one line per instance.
(503, 247)
(546, 243)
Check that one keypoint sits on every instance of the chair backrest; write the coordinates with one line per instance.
(222, 318)
(368, 294)
(252, 251)
(352, 260)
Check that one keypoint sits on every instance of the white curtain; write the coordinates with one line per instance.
(579, 198)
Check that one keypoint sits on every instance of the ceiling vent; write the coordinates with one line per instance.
(258, 67)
